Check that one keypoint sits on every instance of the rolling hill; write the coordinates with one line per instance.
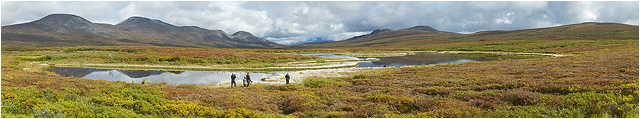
(72, 30)
(424, 37)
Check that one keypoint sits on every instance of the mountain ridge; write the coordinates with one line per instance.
(73, 30)
(425, 36)
(67, 23)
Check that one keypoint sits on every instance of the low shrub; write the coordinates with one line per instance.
(289, 87)
(361, 76)
(319, 83)
(300, 102)
(369, 110)
(594, 104)
(521, 98)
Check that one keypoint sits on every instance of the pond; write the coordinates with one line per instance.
(171, 77)
(423, 59)
(216, 77)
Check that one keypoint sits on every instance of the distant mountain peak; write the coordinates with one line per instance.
(67, 23)
(242, 33)
(135, 19)
(50, 16)
(245, 36)
(146, 22)
(423, 28)
(61, 19)
(379, 31)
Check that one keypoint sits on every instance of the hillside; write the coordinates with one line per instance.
(72, 30)
(380, 37)
(427, 38)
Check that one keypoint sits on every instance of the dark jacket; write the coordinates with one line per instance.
(287, 76)
(233, 77)
(248, 78)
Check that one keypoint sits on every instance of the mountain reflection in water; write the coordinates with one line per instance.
(173, 77)
(215, 77)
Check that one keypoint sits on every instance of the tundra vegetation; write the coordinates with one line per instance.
(158, 56)
(596, 80)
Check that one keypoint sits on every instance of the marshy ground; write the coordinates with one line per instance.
(597, 81)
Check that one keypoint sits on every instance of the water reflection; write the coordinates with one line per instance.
(417, 59)
(176, 78)
(215, 77)
(383, 64)
(326, 55)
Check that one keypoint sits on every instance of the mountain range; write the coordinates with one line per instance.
(72, 30)
(427, 37)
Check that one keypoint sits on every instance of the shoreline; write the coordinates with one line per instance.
(332, 64)
(333, 68)
(404, 53)
(299, 76)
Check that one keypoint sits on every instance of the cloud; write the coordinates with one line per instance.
(307, 38)
(14, 12)
(345, 35)
(289, 22)
(289, 40)
(227, 16)
(505, 19)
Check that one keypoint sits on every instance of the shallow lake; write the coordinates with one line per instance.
(215, 77)
(422, 59)
(171, 77)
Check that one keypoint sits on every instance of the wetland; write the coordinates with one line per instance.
(178, 77)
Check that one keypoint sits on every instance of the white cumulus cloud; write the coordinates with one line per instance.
(290, 22)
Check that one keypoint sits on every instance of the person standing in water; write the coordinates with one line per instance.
(233, 80)
(287, 77)
(248, 79)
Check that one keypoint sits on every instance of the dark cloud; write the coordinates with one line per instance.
(298, 22)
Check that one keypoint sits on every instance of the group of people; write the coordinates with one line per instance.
(246, 81)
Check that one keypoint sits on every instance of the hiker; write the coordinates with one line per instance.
(233, 80)
(248, 79)
(287, 77)
(244, 82)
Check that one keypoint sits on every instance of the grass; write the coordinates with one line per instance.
(599, 80)
(150, 55)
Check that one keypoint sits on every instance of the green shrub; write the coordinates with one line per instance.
(598, 105)
(336, 115)
(361, 76)
(317, 83)
(435, 90)
(45, 113)
(521, 98)
(369, 110)
(452, 112)
(402, 104)
(531, 112)
(43, 58)
(10, 106)
(289, 87)
(301, 102)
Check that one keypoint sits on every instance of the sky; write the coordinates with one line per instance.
(293, 22)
